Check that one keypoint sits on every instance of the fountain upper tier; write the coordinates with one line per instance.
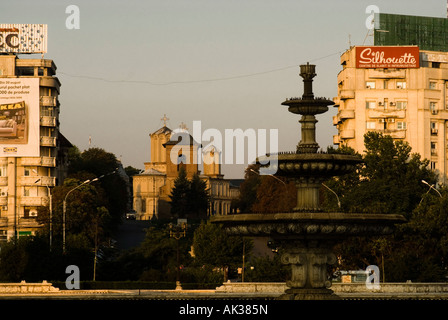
(309, 168)
(308, 106)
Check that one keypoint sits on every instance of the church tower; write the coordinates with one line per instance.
(212, 162)
(158, 152)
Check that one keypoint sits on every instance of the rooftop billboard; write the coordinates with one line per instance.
(23, 38)
(387, 57)
(19, 117)
(402, 30)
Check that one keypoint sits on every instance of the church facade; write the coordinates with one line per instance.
(170, 151)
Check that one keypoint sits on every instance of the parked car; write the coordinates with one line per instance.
(131, 215)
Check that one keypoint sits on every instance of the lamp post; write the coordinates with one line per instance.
(269, 175)
(177, 233)
(65, 203)
(339, 203)
(432, 187)
(65, 210)
(50, 207)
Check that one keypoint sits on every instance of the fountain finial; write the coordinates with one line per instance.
(308, 72)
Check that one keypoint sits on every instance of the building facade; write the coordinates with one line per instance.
(169, 152)
(398, 91)
(28, 175)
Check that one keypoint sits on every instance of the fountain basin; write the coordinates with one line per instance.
(324, 165)
(308, 106)
(309, 225)
(306, 240)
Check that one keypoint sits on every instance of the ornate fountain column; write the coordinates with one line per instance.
(309, 274)
(306, 236)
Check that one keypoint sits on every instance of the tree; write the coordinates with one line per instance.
(98, 163)
(248, 189)
(389, 181)
(179, 195)
(213, 247)
(275, 195)
(189, 199)
(198, 197)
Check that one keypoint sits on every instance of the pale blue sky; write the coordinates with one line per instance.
(112, 67)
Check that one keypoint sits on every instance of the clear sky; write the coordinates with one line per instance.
(227, 63)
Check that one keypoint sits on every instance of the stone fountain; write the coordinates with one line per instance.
(306, 236)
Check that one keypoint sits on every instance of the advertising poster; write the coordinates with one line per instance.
(387, 57)
(19, 117)
(23, 38)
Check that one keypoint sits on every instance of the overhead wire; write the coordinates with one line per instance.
(194, 81)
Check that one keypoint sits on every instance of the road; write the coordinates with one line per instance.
(131, 233)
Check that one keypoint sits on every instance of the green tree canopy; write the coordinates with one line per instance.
(388, 181)
(189, 199)
(213, 247)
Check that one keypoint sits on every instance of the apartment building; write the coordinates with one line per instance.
(399, 91)
(33, 152)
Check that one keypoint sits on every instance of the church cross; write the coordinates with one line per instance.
(164, 119)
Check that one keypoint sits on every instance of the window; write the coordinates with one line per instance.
(401, 105)
(433, 126)
(433, 148)
(401, 85)
(370, 84)
(26, 172)
(370, 125)
(26, 191)
(143, 205)
(370, 104)
(433, 165)
(3, 235)
(433, 107)
(432, 85)
(3, 171)
(181, 161)
(401, 125)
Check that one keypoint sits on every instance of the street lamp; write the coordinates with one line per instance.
(65, 209)
(269, 175)
(432, 187)
(339, 203)
(178, 233)
(50, 207)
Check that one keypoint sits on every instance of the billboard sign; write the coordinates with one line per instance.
(387, 57)
(428, 33)
(19, 117)
(23, 38)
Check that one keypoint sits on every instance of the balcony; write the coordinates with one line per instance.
(3, 222)
(37, 181)
(395, 134)
(335, 139)
(38, 161)
(32, 201)
(48, 161)
(3, 181)
(48, 101)
(347, 114)
(347, 94)
(347, 134)
(387, 113)
(48, 121)
(48, 141)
